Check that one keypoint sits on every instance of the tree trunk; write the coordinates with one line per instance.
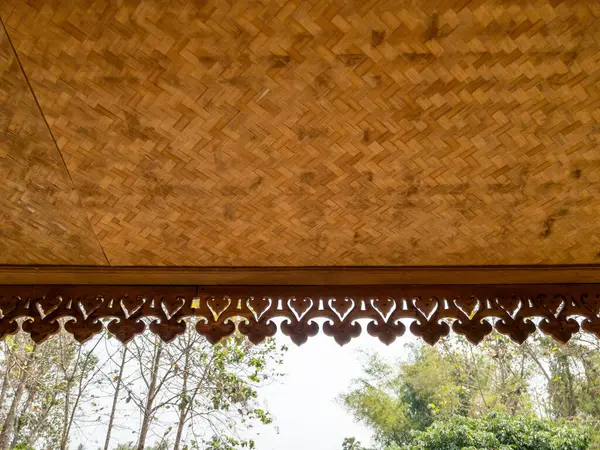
(115, 399)
(183, 406)
(151, 395)
(64, 440)
(64, 436)
(47, 405)
(9, 421)
(5, 376)
(21, 419)
(4, 388)
(36, 431)
(571, 399)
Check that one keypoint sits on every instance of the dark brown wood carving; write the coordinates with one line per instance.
(299, 312)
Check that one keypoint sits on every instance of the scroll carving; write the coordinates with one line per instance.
(300, 312)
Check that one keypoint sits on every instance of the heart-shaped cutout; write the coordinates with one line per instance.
(89, 305)
(384, 306)
(218, 306)
(341, 306)
(426, 305)
(300, 306)
(172, 305)
(510, 305)
(47, 305)
(258, 306)
(554, 305)
(130, 305)
(589, 302)
(8, 305)
(469, 306)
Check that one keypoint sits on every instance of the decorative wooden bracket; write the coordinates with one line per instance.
(340, 311)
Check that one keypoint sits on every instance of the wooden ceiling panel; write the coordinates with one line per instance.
(41, 219)
(278, 133)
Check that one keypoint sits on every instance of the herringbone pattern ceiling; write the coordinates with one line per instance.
(41, 218)
(277, 133)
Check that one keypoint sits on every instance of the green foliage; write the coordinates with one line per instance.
(127, 446)
(237, 369)
(433, 384)
(208, 387)
(352, 444)
(459, 392)
(162, 445)
(228, 443)
(56, 369)
(500, 432)
(574, 377)
(211, 387)
(22, 446)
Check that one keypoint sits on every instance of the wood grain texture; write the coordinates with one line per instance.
(300, 276)
(41, 218)
(281, 133)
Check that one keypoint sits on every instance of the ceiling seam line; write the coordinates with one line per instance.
(39, 107)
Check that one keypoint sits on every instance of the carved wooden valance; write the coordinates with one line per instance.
(386, 311)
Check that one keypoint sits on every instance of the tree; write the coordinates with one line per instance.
(192, 393)
(45, 384)
(117, 388)
(24, 369)
(205, 394)
(573, 377)
(127, 446)
(162, 445)
(456, 379)
(437, 383)
(352, 444)
(153, 386)
(40, 388)
(500, 432)
(7, 366)
(79, 372)
(219, 386)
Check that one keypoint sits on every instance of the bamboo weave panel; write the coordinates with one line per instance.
(41, 216)
(405, 132)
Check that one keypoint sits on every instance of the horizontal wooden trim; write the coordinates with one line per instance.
(80, 275)
(387, 311)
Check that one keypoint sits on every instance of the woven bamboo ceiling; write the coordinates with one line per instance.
(293, 133)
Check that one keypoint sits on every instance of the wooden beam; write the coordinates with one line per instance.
(80, 275)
